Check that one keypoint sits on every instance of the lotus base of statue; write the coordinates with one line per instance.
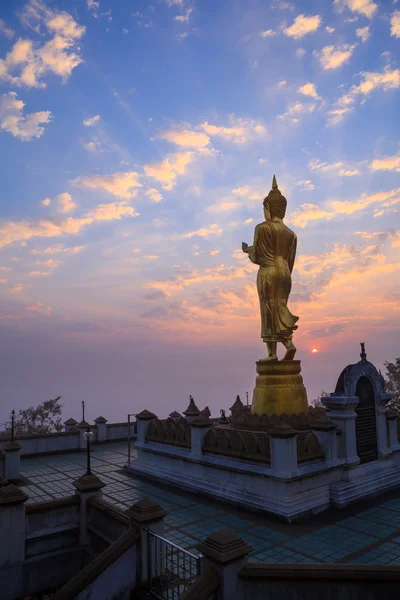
(279, 388)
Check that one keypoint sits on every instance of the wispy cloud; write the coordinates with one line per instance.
(25, 127)
(364, 33)
(120, 184)
(166, 171)
(13, 231)
(333, 57)
(367, 8)
(309, 213)
(389, 79)
(303, 25)
(91, 121)
(27, 63)
(7, 31)
(395, 24)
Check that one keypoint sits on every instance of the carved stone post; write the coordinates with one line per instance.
(199, 428)
(101, 424)
(147, 515)
(341, 410)
(392, 430)
(143, 421)
(86, 486)
(283, 449)
(12, 461)
(12, 524)
(325, 430)
(70, 424)
(381, 425)
(225, 552)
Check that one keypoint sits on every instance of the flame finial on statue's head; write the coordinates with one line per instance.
(276, 202)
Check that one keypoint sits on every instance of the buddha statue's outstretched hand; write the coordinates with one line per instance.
(245, 247)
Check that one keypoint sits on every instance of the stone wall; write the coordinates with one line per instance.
(262, 581)
(47, 443)
(51, 526)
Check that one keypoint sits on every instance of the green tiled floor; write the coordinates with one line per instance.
(367, 536)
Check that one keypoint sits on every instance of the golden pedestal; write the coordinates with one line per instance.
(279, 388)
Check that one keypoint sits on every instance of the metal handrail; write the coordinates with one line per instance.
(172, 544)
(162, 578)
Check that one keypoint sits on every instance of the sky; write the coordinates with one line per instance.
(137, 142)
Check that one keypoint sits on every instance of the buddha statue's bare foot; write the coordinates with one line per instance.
(290, 350)
(272, 358)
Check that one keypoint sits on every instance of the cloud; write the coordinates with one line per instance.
(300, 52)
(92, 121)
(315, 164)
(39, 308)
(193, 277)
(167, 170)
(154, 195)
(380, 236)
(307, 185)
(45, 202)
(333, 57)
(58, 249)
(395, 24)
(303, 25)
(297, 110)
(14, 231)
(349, 172)
(223, 207)
(367, 8)
(388, 163)
(92, 5)
(307, 213)
(12, 120)
(241, 131)
(16, 289)
(26, 64)
(248, 192)
(204, 232)
(370, 81)
(309, 89)
(185, 138)
(185, 17)
(65, 203)
(329, 29)
(336, 115)
(267, 33)
(121, 184)
(182, 36)
(94, 146)
(7, 31)
(363, 33)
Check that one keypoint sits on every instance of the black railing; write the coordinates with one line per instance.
(170, 569)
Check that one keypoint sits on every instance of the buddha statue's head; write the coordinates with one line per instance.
(275, 202)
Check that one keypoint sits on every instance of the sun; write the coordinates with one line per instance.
(314, 350)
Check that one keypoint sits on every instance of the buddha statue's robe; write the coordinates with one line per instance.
(274, 250)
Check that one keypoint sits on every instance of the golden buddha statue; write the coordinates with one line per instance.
(274, 250)
(279, 386)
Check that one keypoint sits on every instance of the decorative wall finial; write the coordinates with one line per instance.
(363, 353)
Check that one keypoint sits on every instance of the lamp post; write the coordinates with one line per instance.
(83, 410)
(12, 424)
(88, 437)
